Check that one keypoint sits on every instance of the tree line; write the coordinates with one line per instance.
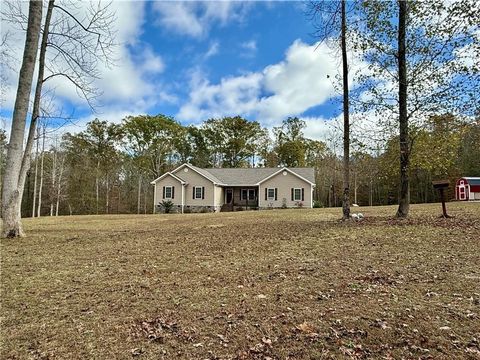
(107, 168)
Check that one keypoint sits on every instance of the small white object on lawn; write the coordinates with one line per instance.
(357, 217)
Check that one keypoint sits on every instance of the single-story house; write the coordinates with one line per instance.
(194, 189)
(467, 188)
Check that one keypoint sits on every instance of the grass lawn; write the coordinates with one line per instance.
(281, 284)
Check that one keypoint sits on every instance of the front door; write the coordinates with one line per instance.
(461, 192)
(228, 196)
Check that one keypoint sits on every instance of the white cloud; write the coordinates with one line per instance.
(249, 48)
(365, 129)
(235, 95)
(195, 18)
(127, 84)
(151, 62)
(285, 89)
(250, 45)
(179, 17)
(115, 115)
(319, 128)
(212, 50)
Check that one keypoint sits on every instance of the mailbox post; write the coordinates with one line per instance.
(441, 185)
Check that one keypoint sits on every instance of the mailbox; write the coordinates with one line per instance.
(441, 185)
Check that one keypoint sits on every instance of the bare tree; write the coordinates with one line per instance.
(40, 188)
(77, 43)
(53, 173)
(59, 184)
(6, 60)
(36, 174)
(346, 119)
(325, 15)
(11, 197)
(36, 109)
(404, 199)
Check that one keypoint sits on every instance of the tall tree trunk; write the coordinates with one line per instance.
(36, 175)
(59, 185)
(371, 192)
(145, 201)
(355, 184)
(42, 155)
(139, 193)
(36, 102)
(107, 203)
(404, 194)
(54, 178)
(346, 120)
(118, 202)
(97, 186)
(11, 197)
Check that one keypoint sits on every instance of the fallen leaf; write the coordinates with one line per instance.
(221, 337)
(137, 352)
(267, 341)
(306, 328)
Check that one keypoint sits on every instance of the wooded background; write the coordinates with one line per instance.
(108, 167)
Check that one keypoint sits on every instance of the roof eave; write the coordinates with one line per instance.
(166, 174)
(285, 169)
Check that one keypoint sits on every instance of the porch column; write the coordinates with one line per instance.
(154, 198)
(183, 197)
(214, 202)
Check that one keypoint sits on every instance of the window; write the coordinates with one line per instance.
(198, 192)
(248, 194)
(168, 192)
(244, 194)
(271, 194)
(297, 194)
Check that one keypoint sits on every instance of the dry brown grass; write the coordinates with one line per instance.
(286, 284)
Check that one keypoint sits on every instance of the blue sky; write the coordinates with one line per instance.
(196, 60)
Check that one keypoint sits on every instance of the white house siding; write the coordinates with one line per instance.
(168, 181)
(192, 178)
(284, 184)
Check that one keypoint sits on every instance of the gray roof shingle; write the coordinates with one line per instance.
(251, 176)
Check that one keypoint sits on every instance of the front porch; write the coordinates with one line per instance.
(239, 198)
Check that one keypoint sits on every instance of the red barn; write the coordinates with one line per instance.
(468, 188)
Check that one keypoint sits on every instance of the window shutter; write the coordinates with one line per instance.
(266, 194)
(292, 193)
(276, 191)
(163, 193)
(193, 197)
(303, 194)
(173, 192)
(203, 192)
